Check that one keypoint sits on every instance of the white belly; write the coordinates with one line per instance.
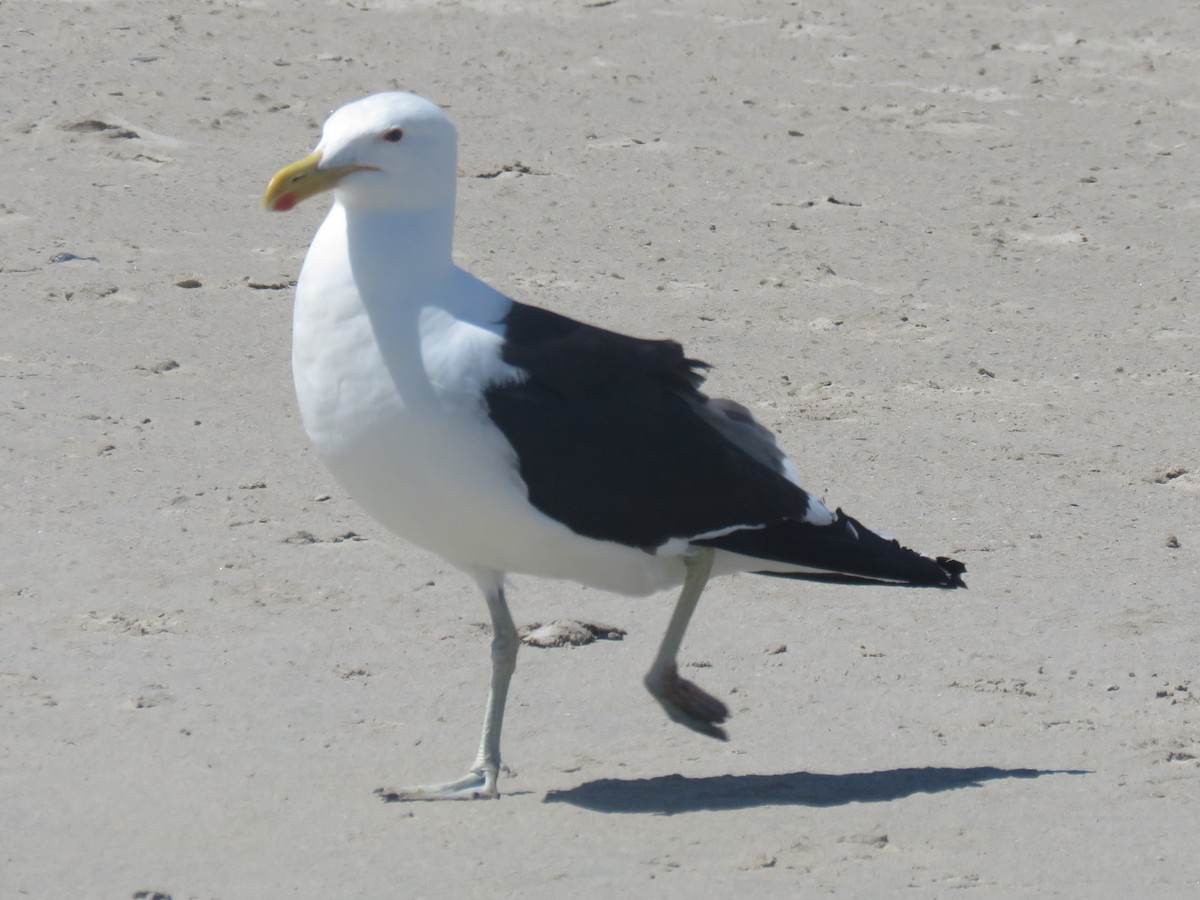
(392, 405)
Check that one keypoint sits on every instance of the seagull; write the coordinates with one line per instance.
(510, 439)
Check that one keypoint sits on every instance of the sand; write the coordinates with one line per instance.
(947, 252)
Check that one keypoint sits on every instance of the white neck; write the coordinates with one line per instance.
(399, 256)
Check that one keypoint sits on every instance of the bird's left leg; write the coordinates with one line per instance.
(683, 701)
(480, 782)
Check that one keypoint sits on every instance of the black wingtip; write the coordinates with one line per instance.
(843, 552)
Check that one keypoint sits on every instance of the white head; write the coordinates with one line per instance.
(389, 152)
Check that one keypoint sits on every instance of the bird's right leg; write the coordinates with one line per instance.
(480, 782)
(683, 701)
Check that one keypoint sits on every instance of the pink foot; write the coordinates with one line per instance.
(688, 704)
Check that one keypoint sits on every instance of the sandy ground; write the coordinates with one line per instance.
(949, 253)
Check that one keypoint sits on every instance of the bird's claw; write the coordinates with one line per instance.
(478, 784)
(688, 704)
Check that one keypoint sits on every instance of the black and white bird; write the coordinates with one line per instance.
(507, 438)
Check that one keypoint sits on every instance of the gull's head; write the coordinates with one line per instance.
(393, 151)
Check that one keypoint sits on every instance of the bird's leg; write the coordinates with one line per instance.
(683, 701)
(480, 782)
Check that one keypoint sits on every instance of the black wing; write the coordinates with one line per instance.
(615, 440)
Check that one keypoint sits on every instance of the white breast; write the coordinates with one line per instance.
(390, 394)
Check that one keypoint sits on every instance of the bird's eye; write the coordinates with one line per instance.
(393, 135)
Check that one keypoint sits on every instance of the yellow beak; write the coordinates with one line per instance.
(303, 179)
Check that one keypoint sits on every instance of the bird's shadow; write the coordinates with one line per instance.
(671, 794)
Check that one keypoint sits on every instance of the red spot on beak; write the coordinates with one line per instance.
(284, 203)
